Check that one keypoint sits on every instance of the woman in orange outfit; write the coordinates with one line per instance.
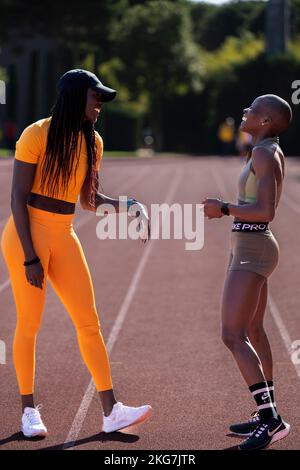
(57, 159)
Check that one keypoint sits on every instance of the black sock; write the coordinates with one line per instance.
(263, 400)
(272, 392)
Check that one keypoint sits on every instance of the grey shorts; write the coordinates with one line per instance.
(256, 252)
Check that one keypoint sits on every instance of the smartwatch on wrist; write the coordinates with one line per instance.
(130, 202)
(225, 208)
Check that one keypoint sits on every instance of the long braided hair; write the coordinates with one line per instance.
(64, 144)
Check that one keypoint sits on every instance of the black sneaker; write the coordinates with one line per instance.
(247, 428)
(266, 434)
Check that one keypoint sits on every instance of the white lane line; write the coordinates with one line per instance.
(84, 219)
(4, 285)
(292, 204)
(219, 181)
(127, 185)
(87, 398)
(224, 190)
(277, 317)
(283, 330)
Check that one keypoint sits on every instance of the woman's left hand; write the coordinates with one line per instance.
(212, 208)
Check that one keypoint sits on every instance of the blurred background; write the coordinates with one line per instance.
(184, 69)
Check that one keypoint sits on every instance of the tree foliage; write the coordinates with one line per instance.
(213, 24)
(155, 42)
(156, 53)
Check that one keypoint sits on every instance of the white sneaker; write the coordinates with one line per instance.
(123, 416)
(32, 424)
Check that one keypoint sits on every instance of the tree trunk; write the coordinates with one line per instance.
(277, 26)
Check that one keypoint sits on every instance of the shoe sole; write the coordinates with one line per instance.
(249, 433)
(41, 434)
(140, 420)
(281, 435)
(277, 437)
(240, 434)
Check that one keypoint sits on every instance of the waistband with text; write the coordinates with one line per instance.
(249, 226)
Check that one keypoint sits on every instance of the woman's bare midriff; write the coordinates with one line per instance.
(50, 204)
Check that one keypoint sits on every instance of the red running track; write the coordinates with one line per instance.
(165, 303)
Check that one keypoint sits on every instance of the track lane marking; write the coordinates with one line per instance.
(87, 398)
(276, 315)
(282, 329)
(85, 218)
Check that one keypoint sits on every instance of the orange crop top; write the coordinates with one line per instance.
(31, 148)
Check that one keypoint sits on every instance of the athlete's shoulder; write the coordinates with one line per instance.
(265, 152)
(98, 138)
(31, 143)
(263, 159)
(266, 146)
(99, 145)
(37, 129)
(43, 123)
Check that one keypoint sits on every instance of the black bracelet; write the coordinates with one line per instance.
(33, 261)
(225, 208)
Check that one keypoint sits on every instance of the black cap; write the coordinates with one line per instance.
(78, 78)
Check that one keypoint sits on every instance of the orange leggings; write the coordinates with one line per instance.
(64, 264)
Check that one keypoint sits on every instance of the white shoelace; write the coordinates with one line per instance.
(121, 408)
(254, 417)
(116, 410)
(258, 431)
(33, 415)
(254, 420)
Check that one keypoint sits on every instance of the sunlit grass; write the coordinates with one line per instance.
(4, 153)
(112, 153)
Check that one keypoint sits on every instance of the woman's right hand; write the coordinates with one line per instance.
(138, 210)
(35, 274)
